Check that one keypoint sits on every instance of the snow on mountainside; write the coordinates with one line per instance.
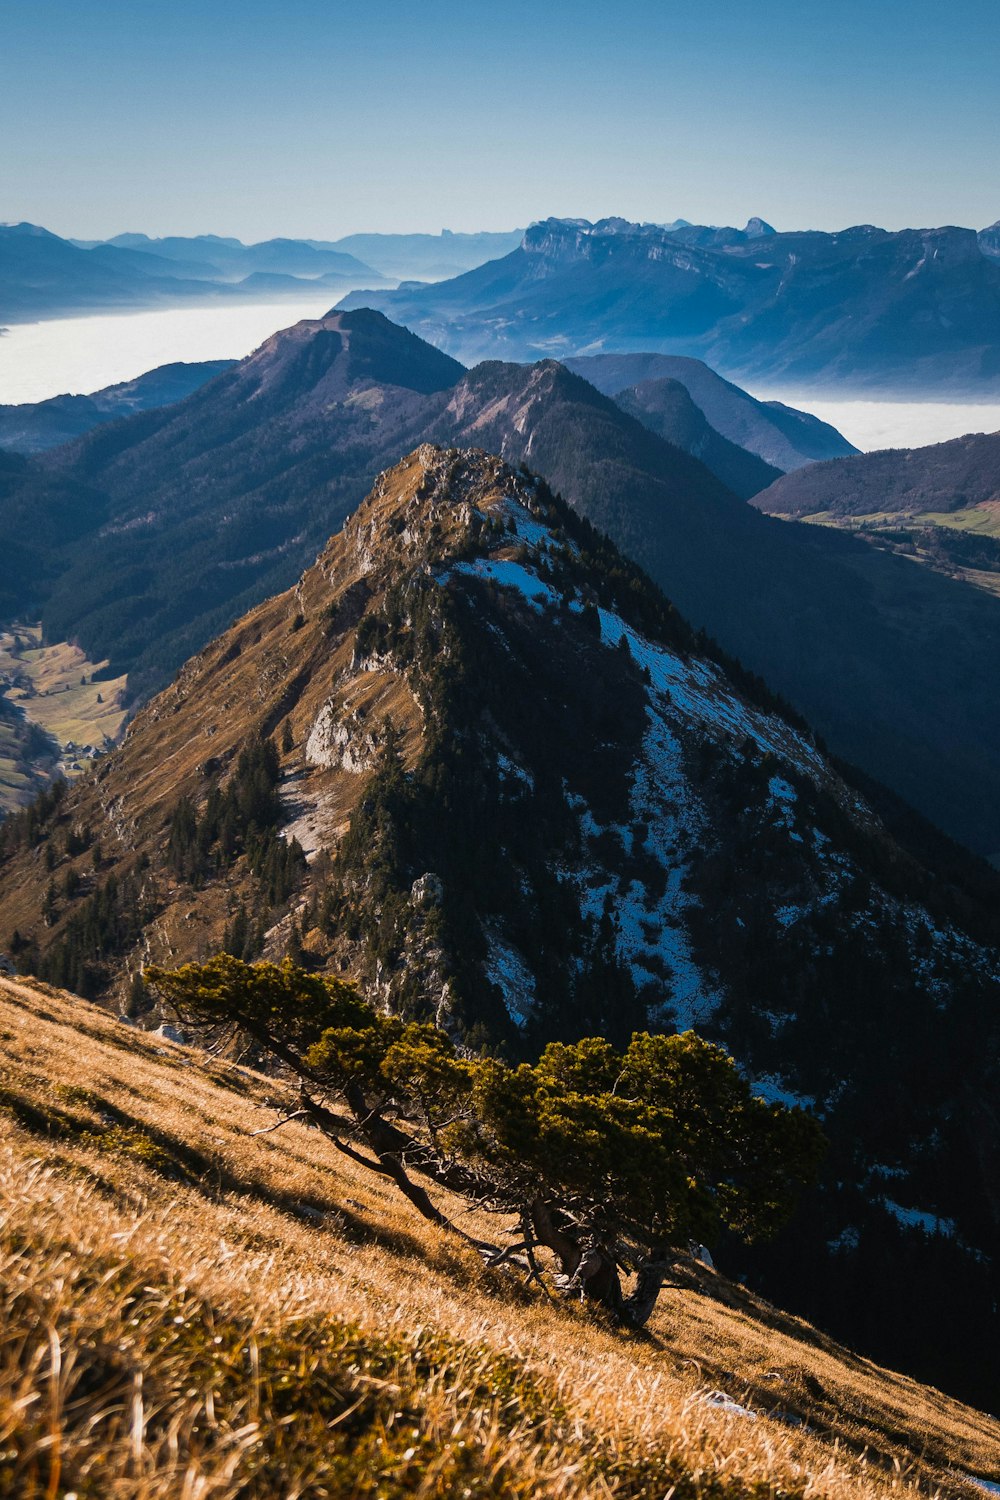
(475, 758)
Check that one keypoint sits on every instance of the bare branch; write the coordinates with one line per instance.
(286, 1120)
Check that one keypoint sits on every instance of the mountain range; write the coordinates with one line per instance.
(658, 843)
(31, 427)
(427, 257)
(863, 308)
(44, 276)
(199, 510)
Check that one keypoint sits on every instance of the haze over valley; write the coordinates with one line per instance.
(499, 752)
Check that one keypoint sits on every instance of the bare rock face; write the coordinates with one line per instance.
(346, 744)
(427, 890)
(171, 1034)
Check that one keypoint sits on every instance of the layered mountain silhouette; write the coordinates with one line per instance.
(31, 427)
(666, 408)
(42, 275)
(147, 537)
(887, 311)
(218, 256)
(657, 843)
(783, 437)
(426, 257)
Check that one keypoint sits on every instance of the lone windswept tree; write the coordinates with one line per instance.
(612, 1160)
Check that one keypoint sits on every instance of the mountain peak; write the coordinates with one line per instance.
(325, 357)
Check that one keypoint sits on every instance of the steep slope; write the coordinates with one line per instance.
(893, 665)
(778, 434)
(244, 1312)
(33, 426)
(666, 408)
(196, 512)
(533, 803)
(877, 310)
(989, 240)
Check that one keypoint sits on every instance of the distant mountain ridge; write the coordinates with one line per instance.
(864, 307)
(32, 427)
(43, 276)
(426, 257)
(198, 511)
(951, 478)
(784, 438)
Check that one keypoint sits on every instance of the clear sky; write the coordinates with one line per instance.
(314, 119)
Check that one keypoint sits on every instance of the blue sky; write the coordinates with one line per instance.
(301, 118)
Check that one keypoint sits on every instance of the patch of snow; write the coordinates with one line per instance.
(533, 533)
(769, 1087)
(913, 1218)
(700, 692)
(783, 798)
(650, 928)
(511, 771)
(511, 575)
(506, 968)
(726, 1404)
(847, 1239)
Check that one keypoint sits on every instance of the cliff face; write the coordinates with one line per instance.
(877, 310)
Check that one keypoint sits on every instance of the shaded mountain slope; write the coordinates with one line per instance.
(880, 310)
(891, 664)
(656, 843)
(145, 538)
(665, 407)
(31, 427)
(952, 478)
(165, 1237)
(778, 434)
(198, 510)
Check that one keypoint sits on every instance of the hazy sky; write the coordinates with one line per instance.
(317, 119)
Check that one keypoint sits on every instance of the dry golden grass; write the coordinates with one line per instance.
(192, 1311)
(71, 710)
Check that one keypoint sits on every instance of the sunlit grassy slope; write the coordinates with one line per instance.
(56, 689)
(190, 1310)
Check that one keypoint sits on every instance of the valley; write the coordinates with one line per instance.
(63, 693)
